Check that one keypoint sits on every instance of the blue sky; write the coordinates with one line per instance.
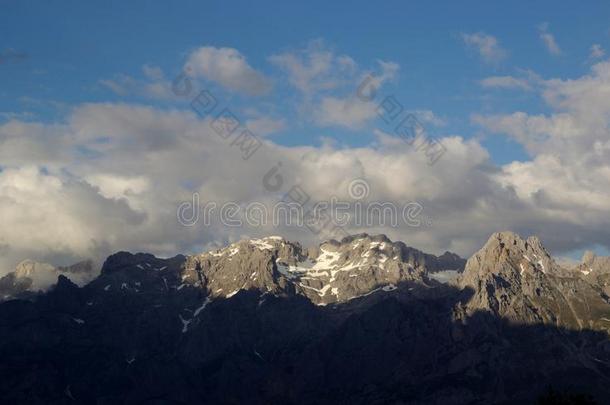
(72, 45)
(519, 93)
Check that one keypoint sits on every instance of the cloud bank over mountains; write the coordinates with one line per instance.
(109, 176)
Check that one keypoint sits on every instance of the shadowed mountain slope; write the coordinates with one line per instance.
(151, 330)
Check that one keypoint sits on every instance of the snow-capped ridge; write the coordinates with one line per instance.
(331, 272)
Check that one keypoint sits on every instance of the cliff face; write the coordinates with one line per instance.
(333, 272)
(517, 279)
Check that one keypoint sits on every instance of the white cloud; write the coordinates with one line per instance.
(429, 117)
(264, 126)
(387, 73)
(155, 85)
(54, 217)
(328, 84)
(549, 40)
(315, 68)
(113, 186)
(506, 82)
(350, 112)
(111, 176)
(153, 72)
(126, 198)
(569, 177)
(596, 52)
(229, 68)
(120, 85)
(354, 111)
(486, 45)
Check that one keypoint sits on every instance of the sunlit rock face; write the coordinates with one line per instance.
(596, 270)
(332, 272)
(362, 320)
(517, 279)
(31, 277)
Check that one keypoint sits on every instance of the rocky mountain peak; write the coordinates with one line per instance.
(511, 241)
(516, 278)
(365, 236)
(449, 256)
(378, 315)
(83, 267)
(588, 257)
(30, 268)
(508, 252)
(596, 270)
(334, 271)
(41, 276)
(31, 277)
(64, 283)
(122, 260)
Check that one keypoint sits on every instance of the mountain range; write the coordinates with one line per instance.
(363, 320)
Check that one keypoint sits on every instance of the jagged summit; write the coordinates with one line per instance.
(31, 277)
(596, 270)
(507, 252)
(334, 271)
(358, 236)
(295, 324)
(31, 268)
(511, 240)
(517, 279)
(125, 260)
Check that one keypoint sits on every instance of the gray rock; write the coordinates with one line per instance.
(518, 280)
(247, 324)
(333, 272)
(30, 278)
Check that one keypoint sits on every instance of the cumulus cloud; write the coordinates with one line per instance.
(264, 126)
(229, 68)
(350, 112)
(58, 217)
(315, 68)
(113, 186)
(548, 39)
(354, 110)
(486, 45)
(328, 82)
(110, 176)
(75, 208)
(568, 178)
(429, 117)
